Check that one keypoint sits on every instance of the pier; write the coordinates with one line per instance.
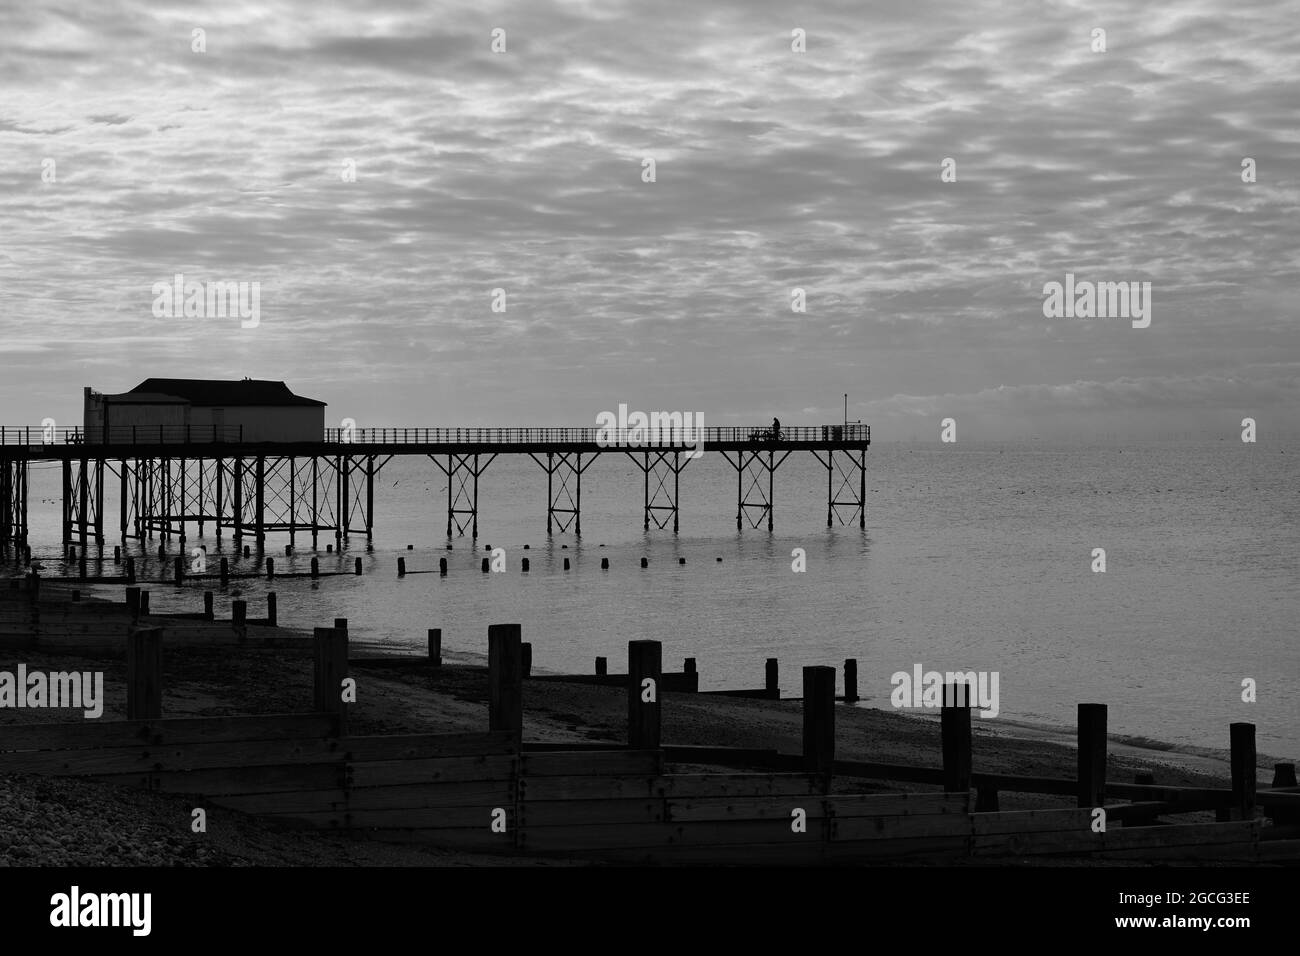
(173, 476)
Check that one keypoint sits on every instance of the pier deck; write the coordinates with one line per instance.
(171, 476)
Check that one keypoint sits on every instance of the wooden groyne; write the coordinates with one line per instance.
(645, 799)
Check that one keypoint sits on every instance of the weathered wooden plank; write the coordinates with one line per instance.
(545, 813)
(897, 804)
(667, 785)
(1182, 834)
(435, 818)
(1071, 842)
(1223, 852)
(1028, 821)
(586, 764)
(415, 746)
(237, 780)
(1278, 850)
(402, 797)
(290, 802)
(889, 771)
(195, 756)
(744, 808)
(386, 773)
(910, 849)
(1014, 783)
(556, 838)
(481, 838)
(87, 734)
(900, 827)
(808, 853)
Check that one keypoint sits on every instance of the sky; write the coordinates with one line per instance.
(133, 149)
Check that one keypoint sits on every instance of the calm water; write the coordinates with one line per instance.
(974, 557)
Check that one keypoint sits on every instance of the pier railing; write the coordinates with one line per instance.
(120, 435)
(666, 436)
(653, 437)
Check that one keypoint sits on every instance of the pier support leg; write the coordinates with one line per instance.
(846, 485)
(753, 501)
(462, 472)
(563, 499)
(660, 503)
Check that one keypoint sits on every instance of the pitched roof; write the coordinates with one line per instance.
(216, 393)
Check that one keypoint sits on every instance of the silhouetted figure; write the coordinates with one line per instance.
(776, 429)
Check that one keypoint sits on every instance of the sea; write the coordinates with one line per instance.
(974, 557)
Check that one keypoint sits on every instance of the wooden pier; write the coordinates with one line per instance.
(171, 478)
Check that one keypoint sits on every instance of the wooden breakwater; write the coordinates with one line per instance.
(645, 800)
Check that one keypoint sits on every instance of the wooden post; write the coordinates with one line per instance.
(851, 681)
(270, 608)
(1092, 755)
(331, 668)
(225, 572)
(435, 646)
(773, 679)
(954, 730)
(179, 570)
(133, 602)
(688, 665)
(340, 623)
(602, 666)
(207, 605)
(356, 567)
(442, 567)
(819, 720)
(144, 603)
(526, 659)
(270, 568)
(1284, 776)
(1244, 769)
(644, 687)
(505, 679)
(144, 674)
(239, 619)
(315, 568)
(130, 570)
(401, 567)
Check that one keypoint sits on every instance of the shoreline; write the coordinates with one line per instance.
(209, 680)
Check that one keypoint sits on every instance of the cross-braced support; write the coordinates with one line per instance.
(751, 497)
(564, 503)
(83, 501)
(661, 503)
(462, 472)
(13, 501)
(850, 491)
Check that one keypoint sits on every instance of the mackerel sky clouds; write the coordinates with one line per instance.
(774, 170)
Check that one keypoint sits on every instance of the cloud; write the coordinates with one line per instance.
(775, 170)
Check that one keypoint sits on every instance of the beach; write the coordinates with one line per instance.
(66, 821)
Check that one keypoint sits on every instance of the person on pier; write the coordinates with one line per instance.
(776, 429)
